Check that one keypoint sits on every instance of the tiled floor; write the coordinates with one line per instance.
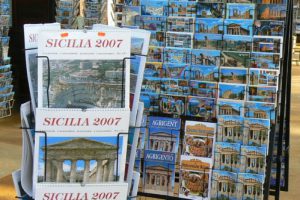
(10, 148)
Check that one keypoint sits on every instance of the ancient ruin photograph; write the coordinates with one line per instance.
(206, 57)
(210, 10)
(223, 185)
(84, 84)
(240, 11)
(253, 159)
(234, 75)
(235, 59)
(256, 132)
(201, 107)
(230, 108)
(179, 24)
(238, 27)
(237, 43)
(265, 60)
(230, 129)
(231, 91)
(208, 25)
(260, 110)
(205, 73)
(207, 41)
(250, 186)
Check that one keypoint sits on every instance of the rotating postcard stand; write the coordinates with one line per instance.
(82, 119)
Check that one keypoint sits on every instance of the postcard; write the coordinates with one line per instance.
(260, 110)
(5, 9)
(132, 2)
(266, 94)
(210, 10)
(180, 24)
(233, 75)
(256, 132)
(201, 107)
(197, 128)
(250, 186)
(228, 107)
(159, 178)
(179, 40)
(227, 156)
(265, 60)
(193, 163)
(232, 91)
(155, 8)
(129, 15)
(267, 44)
(164, 122)
(153, 69)
(175, 86)
(6, 89)
(237, 43)
(204, 73)
(173, 105)
(263, 77)
(80, 74)
(177, 8)
(5, 68)
(268, 28)
(240, 11)
(94, 159)
(271, 2)
(271, 11)
(238, 27)
(151, 102)
(176, 71)
(6, 75)
(253, 159)
(194, 185)
(235, 59)
(157, 38)
(151, 85)
(177, 55)
(207, 41)
(209, 25)
(204, 89)
(164, 140)
(222, 189)
(206, 57)
(153, 23)
(230, 129)
(155, 54)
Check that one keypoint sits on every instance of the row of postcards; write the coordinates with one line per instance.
(194, 159)
(66, 12)
(6, 87)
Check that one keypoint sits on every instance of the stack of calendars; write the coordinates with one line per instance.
(67, 12)
(214, 65)
(6, 87)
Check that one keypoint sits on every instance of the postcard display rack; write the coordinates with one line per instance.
(216, 97)
(6, 87)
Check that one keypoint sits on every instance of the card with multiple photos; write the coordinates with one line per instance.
(201, 107)
(260, 110)
(176, 71)
(235, 59)
(263, 77)
(268, 27)
(199, 139)
(240, 11)
(205, 73)
(173, 105)
(153, 69)
(230, 129)
(267, 44)
(237, 43)
(203, 89)
(238, 27)
(253, 159)
(229, 107)
(207, 41)
(210, 10)
(256, 132)
(180, 24)
(177, 55)
(227, 156)
(205, 57)
(266, 94)
(233, 75)
(155, 54)
(174, 86)
(223, 185)
(153, 23)
(151, 85)
(271, 11)
(232, 91)
(157, 38)
(209, 25)
(155, 8)
(179, 40)
(250, 186)
(265, 60)
(182, 8)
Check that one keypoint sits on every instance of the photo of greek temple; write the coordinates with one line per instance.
(79, 160)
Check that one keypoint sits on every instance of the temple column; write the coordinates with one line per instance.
(105, 174)
(111, 165)
(73, 172)
(60, 171)
(49, 170)
(86, 172)
(99, 176)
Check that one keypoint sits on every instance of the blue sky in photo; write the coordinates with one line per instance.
(227, 72)
(234, 88)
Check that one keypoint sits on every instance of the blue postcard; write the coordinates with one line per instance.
(176, 71)
(268, 28)
(262, 94)
(237, 43)
(204, 73)
(172, 105)
(240, 11)
(230, 129)
(235, 59)
(226, 107)
(271, 11)
(256, 132)
(267, 44)
(153, 23)
(265, 60)
(209, 25)
(178, 8)
(155, 54)
(219, 188)
(204, 89)
(151, 85)
(153, 69)
(180, 24)
(157, 38)
(164, 122)
(263, 77)
(172, 86)
(233, 75)
(151, 102)
(207, 41)
(206, 57)
(130, 14)
(245, 186)
(227, 156)
(232, 91)
(179, 40)
(238, 27)
(161, 155)
(210, 10)
(177, 55)
(260, 110)
(154, 8)
(201, 107)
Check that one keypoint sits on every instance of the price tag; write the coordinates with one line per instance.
(109, 191)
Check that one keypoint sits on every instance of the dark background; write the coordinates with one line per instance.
(25, 12)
